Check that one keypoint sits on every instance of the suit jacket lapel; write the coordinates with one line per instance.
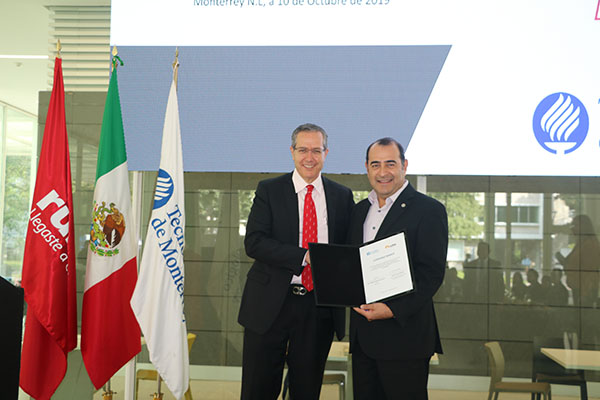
(290, 201)
(361, 211)
(398, 208)
(330, 200)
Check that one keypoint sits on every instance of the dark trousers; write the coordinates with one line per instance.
(301, 336)
(388, 379)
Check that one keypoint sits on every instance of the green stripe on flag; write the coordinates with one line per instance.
(111, 151)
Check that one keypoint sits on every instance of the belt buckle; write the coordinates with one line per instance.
(299, 290)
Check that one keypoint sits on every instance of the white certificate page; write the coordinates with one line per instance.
(385, 268)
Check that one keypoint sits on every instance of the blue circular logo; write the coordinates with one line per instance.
(164, 189)
(560, 123)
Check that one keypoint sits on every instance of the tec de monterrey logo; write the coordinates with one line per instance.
(560, 123)
(164, 189)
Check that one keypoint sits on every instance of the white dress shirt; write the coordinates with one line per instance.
(377, 214)
(318, 195)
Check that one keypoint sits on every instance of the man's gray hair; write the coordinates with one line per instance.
(309, 128)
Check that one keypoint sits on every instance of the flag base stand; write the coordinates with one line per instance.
(158, 395)
(108, 393)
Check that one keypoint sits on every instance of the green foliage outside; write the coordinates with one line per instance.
(463, 213)
(360, 195)
(16, 211)
(463, 209)
(246, 197)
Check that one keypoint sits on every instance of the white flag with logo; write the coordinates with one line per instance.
(158, 297)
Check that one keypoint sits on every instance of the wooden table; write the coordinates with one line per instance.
(574, 359)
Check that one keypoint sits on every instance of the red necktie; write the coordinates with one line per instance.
(309, 233)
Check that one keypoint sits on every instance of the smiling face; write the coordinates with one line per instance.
(385, 170)
(309, 155)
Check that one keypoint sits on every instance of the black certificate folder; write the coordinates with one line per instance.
(337, 277)
(347, 276)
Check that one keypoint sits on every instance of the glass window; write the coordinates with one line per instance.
(18, 162)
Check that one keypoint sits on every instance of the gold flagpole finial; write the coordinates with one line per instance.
(176, 62)
(58, 47)
(176, 65)
(115, 59)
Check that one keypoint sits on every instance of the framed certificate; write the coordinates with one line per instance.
(348, 276)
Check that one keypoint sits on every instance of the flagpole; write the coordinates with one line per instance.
(136, 209)
(159, 395)
(108, 393)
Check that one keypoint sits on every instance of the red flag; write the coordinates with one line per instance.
(49, 259)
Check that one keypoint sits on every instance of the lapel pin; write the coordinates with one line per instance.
(403, 205)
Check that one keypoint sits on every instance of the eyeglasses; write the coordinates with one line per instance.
(304, 151)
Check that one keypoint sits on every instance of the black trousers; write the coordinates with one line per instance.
(388, 379)
(300, 336)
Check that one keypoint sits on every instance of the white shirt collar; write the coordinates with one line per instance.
(390, 200)
(300, 183)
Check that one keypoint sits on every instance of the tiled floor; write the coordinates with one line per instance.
(221, 390)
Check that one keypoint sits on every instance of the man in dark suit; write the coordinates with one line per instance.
(278, 311)
(392, 341)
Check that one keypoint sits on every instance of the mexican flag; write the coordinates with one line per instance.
(110, 334)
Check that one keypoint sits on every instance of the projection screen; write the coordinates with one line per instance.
(469, 87)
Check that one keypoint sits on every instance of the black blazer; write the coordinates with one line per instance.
(413, 332)
(272, 240)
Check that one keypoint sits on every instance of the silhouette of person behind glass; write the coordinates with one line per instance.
(451, 288)
(483, 275)
(518, 289)
(546, 289)
(581, 265)
(535, 292)
(559, 294)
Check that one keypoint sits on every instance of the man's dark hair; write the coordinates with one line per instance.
(309, 128)
(386, 142)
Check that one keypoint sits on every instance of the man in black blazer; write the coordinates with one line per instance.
(281, 321)
(392, 341)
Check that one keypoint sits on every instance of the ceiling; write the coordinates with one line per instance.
(27, 24)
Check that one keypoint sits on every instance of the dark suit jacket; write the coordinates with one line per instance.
(272, 240)
(413, 332)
